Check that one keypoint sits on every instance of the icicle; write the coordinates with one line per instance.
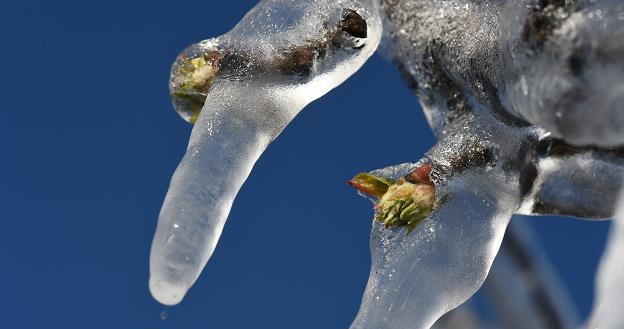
(254, 81)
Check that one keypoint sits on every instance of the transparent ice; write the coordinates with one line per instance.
(242, 114)
(525, 97)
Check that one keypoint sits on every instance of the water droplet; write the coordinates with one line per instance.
(164, 314)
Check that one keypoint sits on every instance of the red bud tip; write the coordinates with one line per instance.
(420, 175)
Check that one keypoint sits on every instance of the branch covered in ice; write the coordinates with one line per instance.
(554, 64)
(243, 88)
(526, 98)
(417, 277)
(524, 93)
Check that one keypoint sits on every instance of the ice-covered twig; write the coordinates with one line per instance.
(415, 278)
(554, 64)
(255, 79)
(498, 80)
(549, 72)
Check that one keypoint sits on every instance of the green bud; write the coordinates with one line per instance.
(192, 76)
(405, 204)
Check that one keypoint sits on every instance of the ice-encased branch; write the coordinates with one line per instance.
(496, 78)
(254, 81)
(416, 278)
(552, 64)
(509, 88)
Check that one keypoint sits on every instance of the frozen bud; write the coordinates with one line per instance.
(192, 75)
(199, 66)
(420, 175)
(402, 203)
(405, 204)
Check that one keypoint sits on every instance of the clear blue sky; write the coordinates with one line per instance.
(89, 142)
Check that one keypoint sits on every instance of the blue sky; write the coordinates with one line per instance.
(90, 140)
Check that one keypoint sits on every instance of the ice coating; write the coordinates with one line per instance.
(415, 278)
(525, 97)
(553, 64)
(467, 62)
(568, 68)
(255, 80)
